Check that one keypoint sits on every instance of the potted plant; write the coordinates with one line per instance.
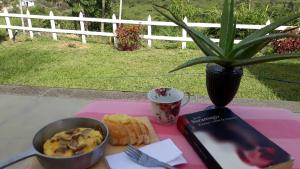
(225, 61)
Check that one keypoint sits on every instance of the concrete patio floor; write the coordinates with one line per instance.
(20, 104)
(89, 95)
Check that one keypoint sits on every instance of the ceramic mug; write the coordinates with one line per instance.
(166, 104)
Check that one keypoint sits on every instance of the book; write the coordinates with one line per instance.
(224, 141)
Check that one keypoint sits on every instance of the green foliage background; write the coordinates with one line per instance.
(248, 11)
(209, 11)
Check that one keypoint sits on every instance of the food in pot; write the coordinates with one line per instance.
(73, 142)
(126, 130)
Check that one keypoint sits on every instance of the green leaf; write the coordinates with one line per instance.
(195, 36)
(267, 29)
(267, 58)
(231, 42)
(259, 40)
(205, 49)
(251, 51)
(202, 41)
(227, 26)
(199, 60)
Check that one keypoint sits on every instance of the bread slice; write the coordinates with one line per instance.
(138, 131)
(119, 136)
(126, 130)
(116, 124)
(146, 133)
(130, 128)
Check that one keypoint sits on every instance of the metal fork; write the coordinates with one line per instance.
(145, 160)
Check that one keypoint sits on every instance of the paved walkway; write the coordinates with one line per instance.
(20, 105)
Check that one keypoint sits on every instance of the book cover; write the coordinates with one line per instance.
(224, 141)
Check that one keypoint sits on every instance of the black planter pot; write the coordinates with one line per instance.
(222, 83)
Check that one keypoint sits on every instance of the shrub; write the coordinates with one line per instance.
(258, 15)
(128, 37)
(182, 9)
(211, 15)
(287, 45)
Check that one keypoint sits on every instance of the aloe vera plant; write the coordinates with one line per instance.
(226, 53)
(225, 61)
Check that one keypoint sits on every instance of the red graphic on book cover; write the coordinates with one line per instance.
(251, 147)
(235, 140)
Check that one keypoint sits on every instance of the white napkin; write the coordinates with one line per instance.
(165, 151)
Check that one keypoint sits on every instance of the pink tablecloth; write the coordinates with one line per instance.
(280, 125)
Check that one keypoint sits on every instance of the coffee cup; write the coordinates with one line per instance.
(166, 104)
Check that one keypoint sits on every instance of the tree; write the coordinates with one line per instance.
(55, 2)
(248, 2)
(102, 15)
(91, 8)
(290, 6)
(121, 9)
(182, 8)
(6, 3)
(21, 12)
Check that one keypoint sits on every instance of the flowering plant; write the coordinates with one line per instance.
(128, 37)
(287, 45)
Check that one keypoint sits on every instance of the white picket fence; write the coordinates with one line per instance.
(114, 21)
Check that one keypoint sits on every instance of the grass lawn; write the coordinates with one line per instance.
(43, 62)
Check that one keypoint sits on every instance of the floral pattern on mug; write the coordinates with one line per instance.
(168, 111)
(166, 104)
(162, 91)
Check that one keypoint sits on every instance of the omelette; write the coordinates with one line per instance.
(72, 142)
